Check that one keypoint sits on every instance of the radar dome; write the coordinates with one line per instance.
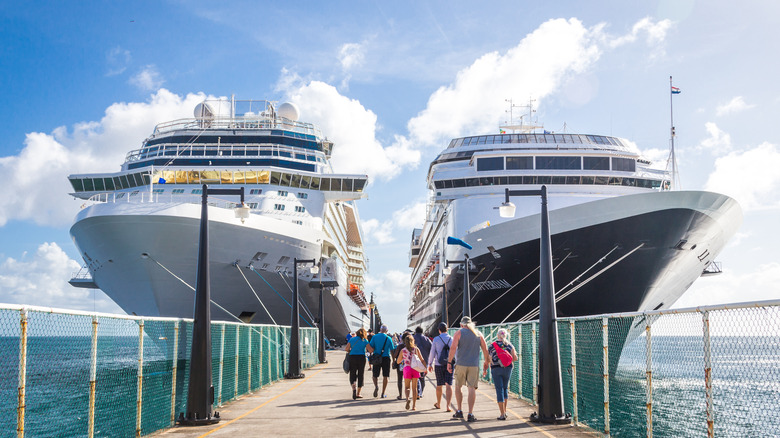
(288, 111)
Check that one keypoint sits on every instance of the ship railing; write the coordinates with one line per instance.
(222, 150)
(673, 372)
(252, 122)
(144, 197)
(103, 363)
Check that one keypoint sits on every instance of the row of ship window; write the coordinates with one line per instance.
(556, 163)
(177, 150)
(541, 179)
(536, 138)
(218, 177)
(253, 205)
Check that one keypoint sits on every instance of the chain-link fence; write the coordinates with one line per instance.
(80, 374)
(708, 371)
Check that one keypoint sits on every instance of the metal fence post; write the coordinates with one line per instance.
(92, 378)
(21, 401)
(221, 363)
(235, 384)
(174, 369)
(249, 359)
(649, 358)
(605, 366)
(520, 350)
(534, 364)
(139, 401)
(575, 416)
(708, 375)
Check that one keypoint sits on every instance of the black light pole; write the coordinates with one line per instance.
(322, 328)
(551, 409)
(294, 369)
(200, 393)
(466, 289)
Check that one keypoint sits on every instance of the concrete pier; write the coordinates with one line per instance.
(322, 405)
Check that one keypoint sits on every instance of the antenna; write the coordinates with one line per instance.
(519, 126)
(672, 158)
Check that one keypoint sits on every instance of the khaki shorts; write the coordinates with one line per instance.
(468, 376)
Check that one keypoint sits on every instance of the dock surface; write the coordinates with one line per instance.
(321, 405)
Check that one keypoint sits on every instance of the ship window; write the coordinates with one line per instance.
(458, 183)
(559, 138)
(631, 182)
(119, 196)
(486, 181)
(623, 164)
(530, 179)
(77, 184)
(275, 176)
(283, 260)
(589, 180)
(282, 193)
(472, 182)
(515, 180)
(305, 181)
(117, 183)
(300, 156)
(335, 184)
(438, 184)
(255, 191)
(300, 209)
(595, 163)
(88, 185)
(448, 184)
(302, 195)
(264, 152)
(346, 185)
(177, 191)
(285, 180)
(295, 181)
(490, 163)
(544, 180)
(519, 162)
(359, 185)
(315, 183)
(285, 154)
(564, 163)
(602, 180)
(558, 180)
(139, 179)
(158, 191)
(252, 205)
(572, 180)
(251, 151)
(209, 177)
(325, 184)
(135, 192)
(502, 180)
(197, 191)
(109, 183)
(279, 207)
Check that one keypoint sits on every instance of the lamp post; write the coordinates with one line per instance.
(465, 263)
(200, 393)
(294, 368)
(551, 408)
(445, 315)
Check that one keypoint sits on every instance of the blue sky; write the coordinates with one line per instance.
(83, 83)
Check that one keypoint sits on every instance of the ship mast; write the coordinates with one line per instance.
(672, 159)
(520, 126)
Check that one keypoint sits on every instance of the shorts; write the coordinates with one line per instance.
(443, 377)
(384, 367)
(468, 376)
(411, 373)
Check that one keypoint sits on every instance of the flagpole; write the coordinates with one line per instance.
(675, 178)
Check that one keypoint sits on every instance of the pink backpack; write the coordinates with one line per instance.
(503, 356)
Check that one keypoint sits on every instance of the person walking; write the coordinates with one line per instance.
(399, 369)
(465, 351)
(369, 335)
(502, 357)
(437, 363)
(356, 349)
(424, 344)
(410, 374)
(383, 344)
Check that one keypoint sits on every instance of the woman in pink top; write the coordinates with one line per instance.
(410, 374)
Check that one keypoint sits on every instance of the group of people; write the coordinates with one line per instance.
(414, 355)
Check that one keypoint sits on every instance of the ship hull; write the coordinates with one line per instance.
(620, 254)
(144, 257)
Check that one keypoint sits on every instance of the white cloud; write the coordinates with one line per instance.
(148, 79)
(391, 296)
(117, 59)
(655, 32)
(42, 280)
(403, 220)
(757, 285)
(352, 128)
(749, 176)
(734, 106)
(718, 142)
(36, 179)
(351, 55)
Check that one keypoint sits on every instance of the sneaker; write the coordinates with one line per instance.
(376, 391)
(457, 414)
(471, 418)
(502, 417)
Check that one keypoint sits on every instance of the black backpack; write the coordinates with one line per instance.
(445, 353)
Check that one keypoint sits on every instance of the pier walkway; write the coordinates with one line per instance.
(321, 405)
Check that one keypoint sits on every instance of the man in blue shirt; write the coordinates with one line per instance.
(382, 344)
(424, 344)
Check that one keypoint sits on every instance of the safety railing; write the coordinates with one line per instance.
(706, 371)
(69, 373)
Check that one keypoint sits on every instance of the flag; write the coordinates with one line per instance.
(502, 131)
(161, 181)
(675, 90)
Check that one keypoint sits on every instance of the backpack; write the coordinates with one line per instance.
(445, 353)
(504, 358)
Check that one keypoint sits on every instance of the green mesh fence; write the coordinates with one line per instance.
(138, 383)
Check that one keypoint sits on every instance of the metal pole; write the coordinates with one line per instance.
(173, 371)
(573, 335)
(708, 400)
(93, 377)
(446, 313)
(605, 366)
(466, 288)
(21, 401)
(321, 351)
(140, 392)
(649, 371)
(221, 365)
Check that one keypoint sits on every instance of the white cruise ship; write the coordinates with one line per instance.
(622, 239)
(138, 232)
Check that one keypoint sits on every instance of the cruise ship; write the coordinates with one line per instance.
(138, 229)
(623, 238)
